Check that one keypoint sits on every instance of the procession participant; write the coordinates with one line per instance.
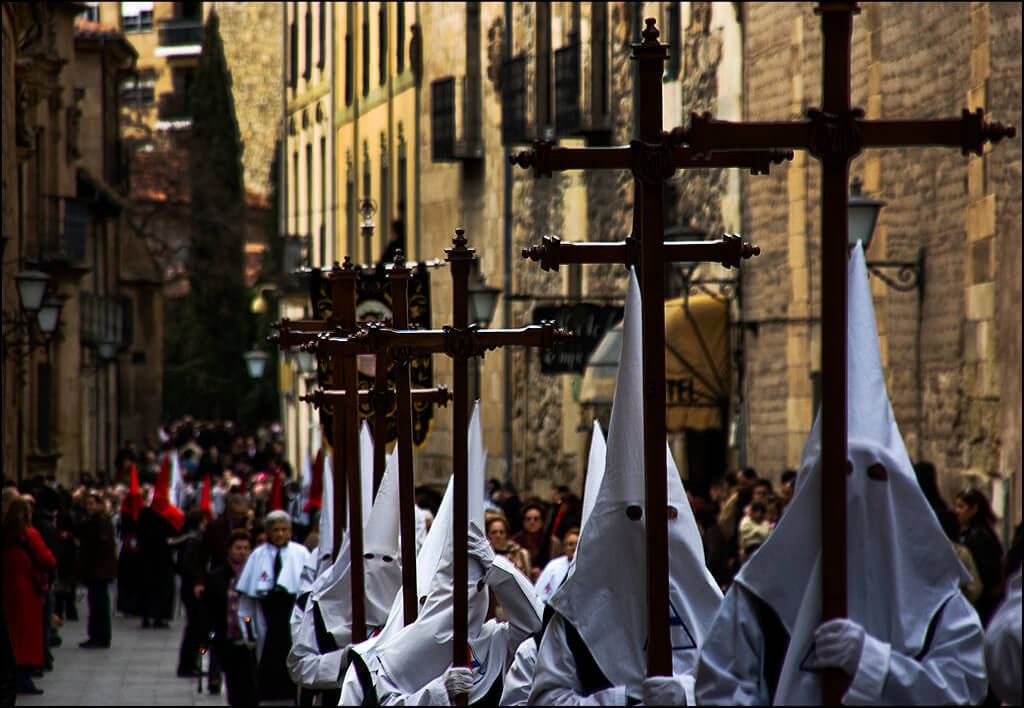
(129, 561)
(158, 522)
(268, 584)
(910, 637)
(412, 666)
(1003, 657)
(320, 640)
(593, 651)
(519, 677)
(232, 648)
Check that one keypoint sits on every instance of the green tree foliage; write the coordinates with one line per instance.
(209, 329)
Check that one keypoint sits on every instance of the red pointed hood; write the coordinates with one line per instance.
(161, 503)
(205, 503)
(132, 503)
(276, 493)
(316, 487)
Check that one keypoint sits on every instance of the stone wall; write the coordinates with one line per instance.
(953, 357)
(252, 45)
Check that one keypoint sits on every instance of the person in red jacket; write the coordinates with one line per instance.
(26, 563)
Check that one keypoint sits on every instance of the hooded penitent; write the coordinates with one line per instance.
(900, 567)
(383, 571)
(161, 503)
(604, 597)
(420, 652)
(132, 504)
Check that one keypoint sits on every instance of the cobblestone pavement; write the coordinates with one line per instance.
(139, 669)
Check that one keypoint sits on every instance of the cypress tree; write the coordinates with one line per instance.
(206, 374)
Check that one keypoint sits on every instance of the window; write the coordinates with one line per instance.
(382, 39)
(321, 55)
(307, 67)
(567, 88)
(323, 201)
(137, 16)
(137, 91)
(543, 85)
(309, 188)
(91, 12)
(295, 203)
(348, 69)
(400, 44)
(366, 52)
(402, 174)
(385, 194)
(675, 49)
(293, 54)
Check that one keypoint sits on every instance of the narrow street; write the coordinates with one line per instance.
(139, 669)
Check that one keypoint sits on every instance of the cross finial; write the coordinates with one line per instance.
(460, 238)
(650, 32)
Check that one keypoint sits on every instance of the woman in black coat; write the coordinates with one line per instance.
(976, 533)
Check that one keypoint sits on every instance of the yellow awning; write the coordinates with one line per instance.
(697, 372)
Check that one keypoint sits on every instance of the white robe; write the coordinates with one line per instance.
(950, 671)
(257, 579)
(551, 578)
(493, 647)
(556, 679)
(1003, 644)
(515, 690)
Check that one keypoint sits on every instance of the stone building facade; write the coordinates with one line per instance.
(951, 348)
(69, 401)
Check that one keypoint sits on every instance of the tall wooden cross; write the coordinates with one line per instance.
(461, 340)
(344, 424)
(652, 160)
(834, 134)
(335, 343)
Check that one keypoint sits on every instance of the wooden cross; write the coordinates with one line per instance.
(461, 341)
(335, 343)
(652, 159)
(834, 134)
(344, 425)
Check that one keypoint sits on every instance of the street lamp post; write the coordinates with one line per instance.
(483, 299)
(39, 315)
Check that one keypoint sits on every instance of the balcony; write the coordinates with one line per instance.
(63, 230)
(174, 107)
(179, 37)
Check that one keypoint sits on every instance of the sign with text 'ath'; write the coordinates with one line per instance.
(373, 303)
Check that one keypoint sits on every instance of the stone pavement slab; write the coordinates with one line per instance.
(139, 669)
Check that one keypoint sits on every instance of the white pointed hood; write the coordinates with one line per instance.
(595, 472)
(477, 466)
(900, 566)
(325, 542)
(421, 651)
(599, 594)
(383, 571)
(366, 469)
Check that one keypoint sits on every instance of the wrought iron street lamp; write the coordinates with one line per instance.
(255, 362)
(483, 300)
(39, 314)
(861, 218)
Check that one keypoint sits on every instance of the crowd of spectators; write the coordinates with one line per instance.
(60, 541)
